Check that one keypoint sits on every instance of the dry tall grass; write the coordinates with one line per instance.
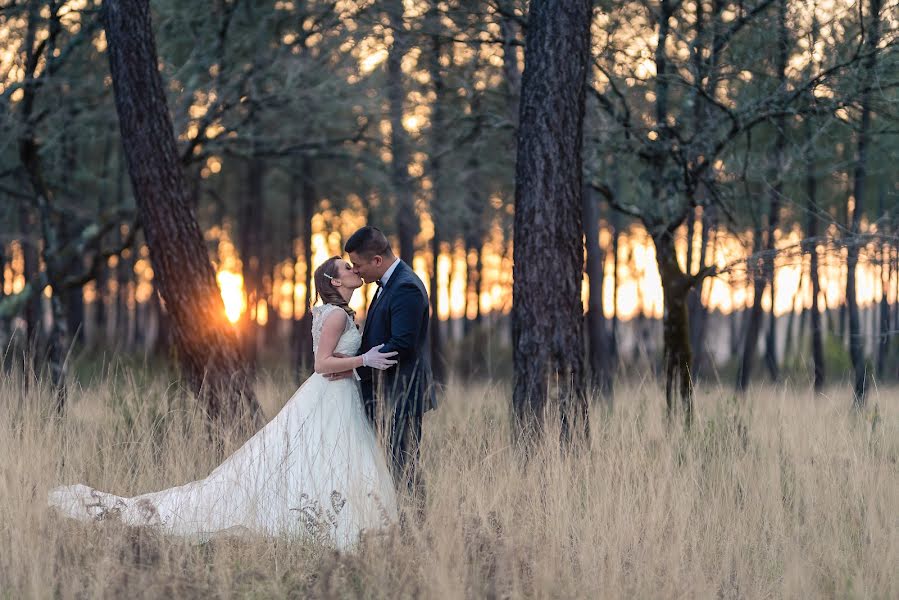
(783, 495)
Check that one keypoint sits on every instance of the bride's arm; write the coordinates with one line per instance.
(325, 361)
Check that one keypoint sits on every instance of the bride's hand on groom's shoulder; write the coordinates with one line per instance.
(375, 359)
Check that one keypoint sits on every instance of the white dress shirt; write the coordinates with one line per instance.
(385, 277)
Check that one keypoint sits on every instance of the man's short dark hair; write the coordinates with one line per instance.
(367, 242)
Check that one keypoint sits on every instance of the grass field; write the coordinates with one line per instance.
(782, 494)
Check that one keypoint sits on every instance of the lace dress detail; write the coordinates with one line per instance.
(351, 340)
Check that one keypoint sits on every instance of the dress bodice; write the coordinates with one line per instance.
(348, 343)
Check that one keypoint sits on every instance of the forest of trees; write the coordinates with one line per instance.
(691, 158)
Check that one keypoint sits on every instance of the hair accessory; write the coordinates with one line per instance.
(328, 276)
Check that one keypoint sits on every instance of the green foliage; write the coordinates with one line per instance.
(273, 84)
(13, 304)
(836, 355)
(483, 353)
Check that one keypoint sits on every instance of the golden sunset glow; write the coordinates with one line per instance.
(233, 295)
(639, 289)
(14, 270)
(639, 284)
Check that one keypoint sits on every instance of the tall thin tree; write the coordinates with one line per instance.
(859, 181)
(207, 347)
(598, 338)
(764, 274)
(811, 187)
(438, 185)
(406, 217)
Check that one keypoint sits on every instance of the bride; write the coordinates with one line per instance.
(315, 469)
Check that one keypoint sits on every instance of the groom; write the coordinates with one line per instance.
(397, 317)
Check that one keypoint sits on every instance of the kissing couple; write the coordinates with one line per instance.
(317, 468)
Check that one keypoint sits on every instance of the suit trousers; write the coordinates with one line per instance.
(401, 432)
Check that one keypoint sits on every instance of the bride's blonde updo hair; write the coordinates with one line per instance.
(327, 292)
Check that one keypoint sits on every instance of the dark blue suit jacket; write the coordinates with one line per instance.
(399, 319)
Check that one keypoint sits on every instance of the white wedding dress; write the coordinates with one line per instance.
(316, 470)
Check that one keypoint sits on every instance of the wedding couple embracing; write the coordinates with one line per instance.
(318, 468)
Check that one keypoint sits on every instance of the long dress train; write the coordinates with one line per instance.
(316, 470)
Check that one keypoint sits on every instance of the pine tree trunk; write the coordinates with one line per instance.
(310, 203)
(478, 272)
(438, 369)
(616, 240)
(780, 143)
(811, 186)
(697, 310)
(207, 347)
(693, 295)
(883, 345)
(601, 376)
(58, 334)
(765, 274)
(791, 324)
(438, 143)
(28, 217)
(250, 248)
(771, 360)
(406, 217)
(68, 230)
(753, 320)
(547, 313)
(856, 342)
(475, 202)
(33, 310)
(73, 297)
(764, 280)
(102, 282)
(452, 330)
(678, 355)
(296, 356)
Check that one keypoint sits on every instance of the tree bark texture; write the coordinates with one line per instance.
(678, 354)
(547, 313)
(207, 346)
